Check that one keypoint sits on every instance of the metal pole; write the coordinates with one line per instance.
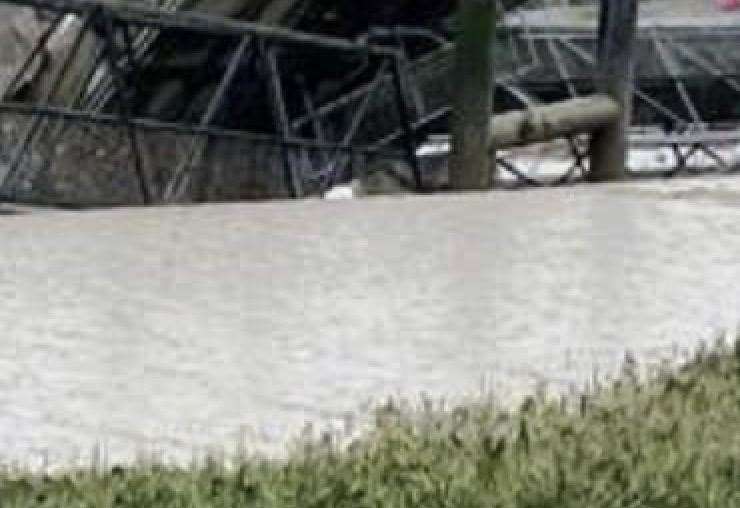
(409, 134)
(124, 97)
(197, 146)
(179, 128)
(615, 77)
(358, 117)
(316, 125)
(411, 84)
(282, 121)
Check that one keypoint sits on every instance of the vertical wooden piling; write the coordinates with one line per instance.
(473, 162)
(615, 77)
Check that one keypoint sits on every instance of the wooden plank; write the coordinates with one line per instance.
(557, 120)
(614, 77)
(472, 163)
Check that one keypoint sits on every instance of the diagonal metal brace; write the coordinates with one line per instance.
(124, 99)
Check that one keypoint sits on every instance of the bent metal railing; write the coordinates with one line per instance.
(538, 60)
(115, 27)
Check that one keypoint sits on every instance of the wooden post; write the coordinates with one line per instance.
(472, 163)
(614, 77)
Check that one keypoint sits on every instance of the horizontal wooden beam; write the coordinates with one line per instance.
(557, 120)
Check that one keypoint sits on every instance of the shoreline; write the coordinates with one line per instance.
(669, 428)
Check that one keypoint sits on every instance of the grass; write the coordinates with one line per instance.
(672, 440)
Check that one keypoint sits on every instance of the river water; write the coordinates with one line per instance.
(176, 329)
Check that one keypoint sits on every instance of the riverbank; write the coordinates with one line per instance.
(668, 441)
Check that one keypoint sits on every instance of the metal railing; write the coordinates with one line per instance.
(116, 30)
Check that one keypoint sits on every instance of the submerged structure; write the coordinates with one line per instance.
(107, 102)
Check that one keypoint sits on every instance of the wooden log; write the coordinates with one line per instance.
(471, 166)
(560, 119)
(614, 77)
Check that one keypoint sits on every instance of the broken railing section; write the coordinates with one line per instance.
(543, 58)
(112, 26)
(475, 138)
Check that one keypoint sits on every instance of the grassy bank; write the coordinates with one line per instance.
(670, 441)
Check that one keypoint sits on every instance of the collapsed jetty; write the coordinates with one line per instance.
(182, 101)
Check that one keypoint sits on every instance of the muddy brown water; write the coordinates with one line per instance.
(175, 329)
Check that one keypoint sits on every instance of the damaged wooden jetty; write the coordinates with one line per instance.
(235, 99)
(117, 27)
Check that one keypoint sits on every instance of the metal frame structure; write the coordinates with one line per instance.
(117, 28)
(128, 34)
(692, 132)
(532, 47)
